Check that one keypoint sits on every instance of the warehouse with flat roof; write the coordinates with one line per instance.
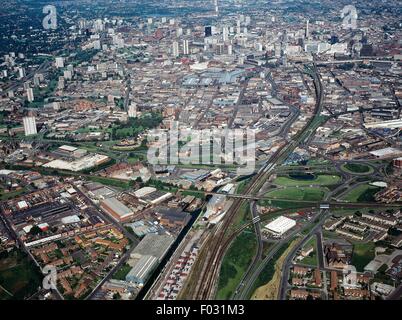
(140, 273)
(155, 245)
(280, 225)
(116, 209)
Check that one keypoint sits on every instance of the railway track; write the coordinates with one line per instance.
(217, 250)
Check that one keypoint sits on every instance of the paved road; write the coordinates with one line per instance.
(288, 261)
(309, 130)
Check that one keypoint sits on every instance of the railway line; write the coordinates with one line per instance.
(212, 263)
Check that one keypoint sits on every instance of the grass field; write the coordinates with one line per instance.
(122, 272)
(18, 275)
(269, 269)
(312, 259)
(363, 253)
(9, 195)
(242, 216)
(235, 263)
(110, 182)
(356, 168)
(305, 194)
(270, 290)
(323, 180)
(362, 193)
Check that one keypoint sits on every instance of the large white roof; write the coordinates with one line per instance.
(281, 224)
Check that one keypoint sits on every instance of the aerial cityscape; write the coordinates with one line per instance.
(200, 150)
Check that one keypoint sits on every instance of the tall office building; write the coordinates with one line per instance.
(208, 31)
(21, 73)
(216, 7)
(225, 34)
(186, 50)
(277, 48)
(30, 95)
(175, 49)
(230, 49)
(238, 27)
(307, 34)
(29, 125)
(258, 46)
(179, 32)
(219, 48)
(247, 21)
(59, 62)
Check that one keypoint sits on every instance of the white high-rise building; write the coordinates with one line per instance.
(277, 48)
(225, 33)
(230, 49)
(186, 50)
(150, 20)
(179, 32)
(164, 19)
(30, 95)
(216, 7)
(248, 20)
(21, 73)
(98, 25)
(175, 49)
(59, 62)
(29, 125)
(68, 75)
(238, 27)
(132, 110)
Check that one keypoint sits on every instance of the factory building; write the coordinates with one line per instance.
(280, 226)
(140, 273)
(29, 126)
(147, 256)
(116, 209)
(153, 244)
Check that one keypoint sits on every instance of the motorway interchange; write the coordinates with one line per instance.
(215, 248)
